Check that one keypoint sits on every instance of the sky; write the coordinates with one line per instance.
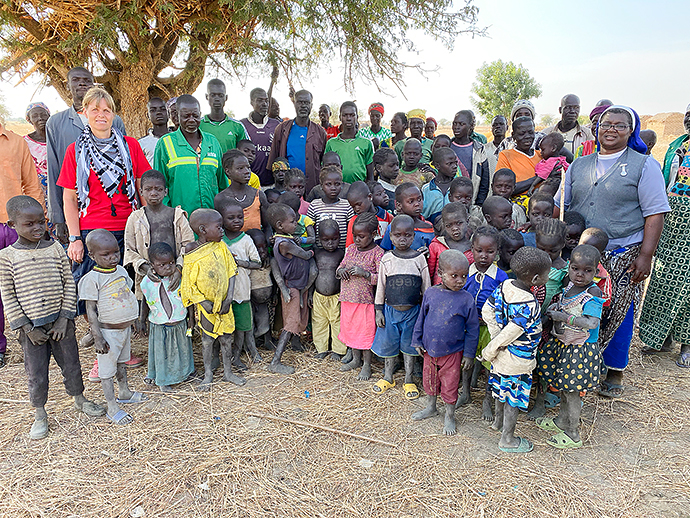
(632, 52)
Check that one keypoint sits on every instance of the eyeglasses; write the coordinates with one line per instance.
(605, 126)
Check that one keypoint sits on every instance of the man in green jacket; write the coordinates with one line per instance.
(190, 160)
(676, 151)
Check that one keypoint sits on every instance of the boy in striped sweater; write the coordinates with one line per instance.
(41, 302)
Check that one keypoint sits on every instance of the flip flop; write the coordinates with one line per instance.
(524, 447)
(547, 424)
(563, 442)
(382, 386)
(411, 391)
(551, 400)
(683, 357)
(121, 418)
(137, 397)
(608, 387)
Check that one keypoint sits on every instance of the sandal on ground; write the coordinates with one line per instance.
(524, 447)
(684, 357)
(137, 397)
(551, 400)
(39, 430)
(562, 441)
(411, 391)
(382, 386)
(608, 390)
(91, 409)
(121, 418)
(547, 424)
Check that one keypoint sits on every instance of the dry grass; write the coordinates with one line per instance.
(193, 454)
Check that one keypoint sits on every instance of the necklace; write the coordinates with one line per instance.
(104, 270)
(240, 200)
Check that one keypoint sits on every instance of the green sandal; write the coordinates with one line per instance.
(547, 424)
(563, 442)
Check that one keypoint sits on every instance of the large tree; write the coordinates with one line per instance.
(141, 48)
(499, 85)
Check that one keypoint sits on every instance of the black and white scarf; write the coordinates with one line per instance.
(109, 159)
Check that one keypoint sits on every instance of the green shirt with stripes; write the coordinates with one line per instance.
(193, 177)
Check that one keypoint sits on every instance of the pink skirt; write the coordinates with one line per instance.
(357, 325)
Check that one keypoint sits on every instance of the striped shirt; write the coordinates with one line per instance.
(340, 211)
(37, 285)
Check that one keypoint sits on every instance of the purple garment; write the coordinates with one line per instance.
(7, 237)
(262, 137)
(448, 323)
(295, 271)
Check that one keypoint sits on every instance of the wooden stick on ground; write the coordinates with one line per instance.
(13, 401)
(320, 427)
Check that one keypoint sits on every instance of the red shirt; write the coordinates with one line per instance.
(98, 213)
(383, 224)
(437, 247)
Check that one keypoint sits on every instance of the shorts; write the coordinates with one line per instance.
(513, 390)
(295, 318)
(119, 341)
(441, 376)
(243, 316)
(396, 337)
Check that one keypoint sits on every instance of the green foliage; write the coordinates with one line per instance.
(547, 120)
(499, 85)
(583, 120)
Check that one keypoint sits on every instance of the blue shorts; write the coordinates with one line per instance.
(396, 337)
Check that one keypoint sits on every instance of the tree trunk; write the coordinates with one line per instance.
(132, 94)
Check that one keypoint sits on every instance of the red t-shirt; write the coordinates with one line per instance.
(98, 213)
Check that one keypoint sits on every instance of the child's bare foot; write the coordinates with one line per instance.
(487, 414)
(239, 365)
(497, 426)
(233, 378)
(280, 368)
(348, 356)
(684, 356)
(321, 356)
(205, 384)
(296, 344)
(335, 357)
(464, 399)
(429, 411)
(166, 388)
(449, 421)
(365, 373)
(350, 366)
(538, 410)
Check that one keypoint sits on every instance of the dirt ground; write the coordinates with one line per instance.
(204, 455)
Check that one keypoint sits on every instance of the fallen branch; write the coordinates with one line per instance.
(320, 427)
(13, 401)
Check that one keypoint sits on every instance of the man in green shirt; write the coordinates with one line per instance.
(356, 153)
(190, 160)
(228, 131)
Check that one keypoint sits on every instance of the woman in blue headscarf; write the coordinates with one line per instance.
(621, 191)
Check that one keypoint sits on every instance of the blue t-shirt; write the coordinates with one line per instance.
(422, 237)
(464, 154)
(481, 285)
(296, 146)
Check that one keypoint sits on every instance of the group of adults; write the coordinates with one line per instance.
(89, 169)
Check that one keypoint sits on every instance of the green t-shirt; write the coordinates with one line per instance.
(383, 134)
(229, 132)
(355, 154)
(426, 150)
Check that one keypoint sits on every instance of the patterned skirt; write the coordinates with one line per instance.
(569, 368)
(513, 390)
(666, 306)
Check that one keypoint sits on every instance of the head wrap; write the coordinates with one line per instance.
(432, 120)
(417, 113)
(522, 103)
(687, 109)
(36, 105)
(171, 102)
(634, 141)
(598, 110)
(376, 107)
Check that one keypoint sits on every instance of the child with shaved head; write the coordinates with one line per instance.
(446, 335)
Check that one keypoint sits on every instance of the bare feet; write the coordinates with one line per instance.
(429, 411)
(497, 426)
(335, 357)
(280, 368)
(205, 384)
(487, 414)
(449, 421)
(684, 356)
(166, 388)
(351, 366)
(296, 344)
(348, 356)
(464, 399)
(365, 373)
(538, 410)
(239, 365)
(232, 378)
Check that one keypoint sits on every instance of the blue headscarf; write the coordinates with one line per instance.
(634, 141)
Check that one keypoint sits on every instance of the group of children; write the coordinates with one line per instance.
(444, 285)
